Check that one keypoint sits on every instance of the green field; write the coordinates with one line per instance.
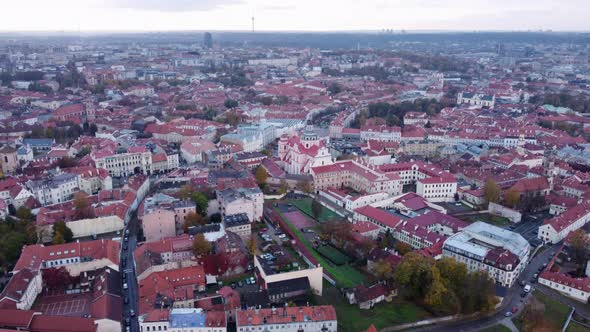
(496, 328)
(559, 311)
(487, 218)
(575, 327)
(304, 205)
(353, 319)
(345, 275)
(333, 254)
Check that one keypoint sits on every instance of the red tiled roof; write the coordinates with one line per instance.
(286, 315)
(379, 215)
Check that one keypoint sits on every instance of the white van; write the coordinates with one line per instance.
(527, 288)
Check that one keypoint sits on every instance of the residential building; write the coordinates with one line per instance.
(239, 224)
(54, 189)
(483, 247)
(288, 319)
(557, 228)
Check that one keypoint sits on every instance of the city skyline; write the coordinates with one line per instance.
(290, 15)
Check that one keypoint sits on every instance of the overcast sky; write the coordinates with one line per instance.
(290, 15)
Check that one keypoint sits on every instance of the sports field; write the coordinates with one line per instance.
(304, 205)
(333, 254)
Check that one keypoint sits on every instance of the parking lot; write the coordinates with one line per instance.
(529, 226)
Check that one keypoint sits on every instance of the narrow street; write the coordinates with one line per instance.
(127, 268)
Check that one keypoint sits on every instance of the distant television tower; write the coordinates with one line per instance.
(252, 23)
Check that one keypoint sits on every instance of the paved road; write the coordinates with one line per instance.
(512, 299)
(128, 269)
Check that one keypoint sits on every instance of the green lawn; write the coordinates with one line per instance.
(333, 254)
(496, 328)
(304, 205)
(345, 275)
(488, 218)
(559, 311)
(353, 319)
(575, 327)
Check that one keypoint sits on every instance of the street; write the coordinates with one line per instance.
(127, 268)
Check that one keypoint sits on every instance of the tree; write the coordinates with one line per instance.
(578, 242)
(512, 198)
(334, 88)
(491, 191)
(58, 238)
(201, 201)
(252, 245)
(283, 186)
(304, 186)
(413, 275)
(56, 278)
(316, 208)
(403, 248)
(201, 246)
(64, 231)
(383, 270)
(23, 213)
(261, 175)
(185, 192)
(215, 218)
(230, 103)
(387, 240)
(82, 206)
(439, 298)
(192, 219)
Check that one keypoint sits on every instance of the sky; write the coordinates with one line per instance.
(293, 15)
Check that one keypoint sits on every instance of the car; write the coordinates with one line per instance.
(252, 280)
(247, 281)
(127, 321)
(127, 232)
(533, 280)
(527, 288)
(282, 236)
(240, 284)
(522, 283)
(125, 247)
(125, 286)
(132, 312)
(514, 310)
(523, 294)
(265, 229)
(126, 300)
(233, 285)
(508, 313)
(535, 275)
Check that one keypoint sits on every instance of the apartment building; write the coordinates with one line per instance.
(288, 319)
(55, 189)
(483, 247)
(135, 160)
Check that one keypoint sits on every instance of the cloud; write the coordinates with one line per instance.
(279, 7)
(170, 5)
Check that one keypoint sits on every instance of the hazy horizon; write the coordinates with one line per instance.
(113, 16)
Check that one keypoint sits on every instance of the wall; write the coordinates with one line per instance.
(499, 210)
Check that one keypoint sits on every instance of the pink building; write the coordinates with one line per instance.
(159, 224)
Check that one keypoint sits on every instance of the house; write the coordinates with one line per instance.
(192, 150)
(54, 189)
(367, 297)
(31, 321)
(239, 224)
(22, 290)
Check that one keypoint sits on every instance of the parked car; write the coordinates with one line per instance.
(508, 313)
(131, 312)
(125, 286)
(252, 280)
(514, 310)
(233, 285)
(240, 284)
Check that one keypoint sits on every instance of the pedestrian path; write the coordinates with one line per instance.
(509, 324)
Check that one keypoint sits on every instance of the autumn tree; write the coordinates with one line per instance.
(383, 269)
(58, 238)
(512, 198)
(283, 186)
(65, 233)
(56, 278)
(192, 219)
(252, 245)
(261, 176)
(23, 213)
(402, 248)
(185, 192)
(491, 191)
(534, 318)
(578, 242)
(439, 297)
(305, 186)
(82, 206)
(201, 246)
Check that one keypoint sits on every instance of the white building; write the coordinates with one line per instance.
(437, 189)
(299, 154)
(476, 99)
(557, 228)
(288, 319)
(135, 160)
(56, 189)
(483, 247)
(381, 133)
